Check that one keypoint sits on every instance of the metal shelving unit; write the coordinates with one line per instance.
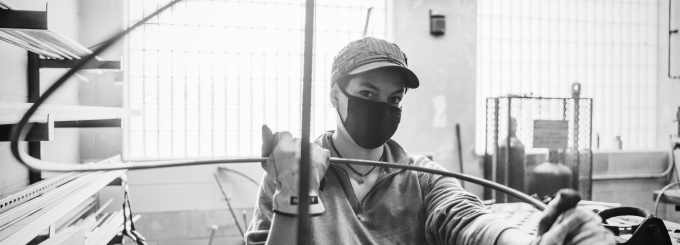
(48, 49)
(27, 213)
(52, 210)
(11, 112)
(29, 30)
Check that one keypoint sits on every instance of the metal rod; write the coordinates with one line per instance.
(303, 208)
(231, 209)
(590, 144)
(160, 164)
(506, 164)
(634, 176)
(245, 220)
(460, 152)
(368, 18)
(576, 180)
(496, 149)
(512, 192)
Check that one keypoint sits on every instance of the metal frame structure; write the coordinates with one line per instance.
(26, 158)
(491, 164)
(670, 33)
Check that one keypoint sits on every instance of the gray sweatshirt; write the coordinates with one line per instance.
(403, 207)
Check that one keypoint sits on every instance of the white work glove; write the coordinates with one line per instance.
(562, 223)
(283, 165)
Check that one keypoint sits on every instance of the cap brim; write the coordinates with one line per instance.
(411, 78)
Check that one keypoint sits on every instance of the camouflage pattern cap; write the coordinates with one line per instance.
(371, 53)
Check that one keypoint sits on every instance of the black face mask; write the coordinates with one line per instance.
(369, 123)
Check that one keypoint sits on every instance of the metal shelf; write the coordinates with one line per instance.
(6, 5)
(25, 221)
(11, 113)
(93, 64)
(29, 30)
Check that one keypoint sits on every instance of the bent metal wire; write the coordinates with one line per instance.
(21, 130)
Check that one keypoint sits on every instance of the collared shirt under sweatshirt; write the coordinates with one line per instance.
(403, 207)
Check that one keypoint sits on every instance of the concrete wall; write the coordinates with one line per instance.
(446, 67)
(668, 92)
(62, 17)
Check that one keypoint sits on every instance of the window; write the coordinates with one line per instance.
(541, 47)
(207, 74)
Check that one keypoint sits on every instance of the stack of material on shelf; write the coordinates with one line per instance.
(49, 44)
(108, 229)
(32, 34)
(6, 5)
(60, 210)
(92, 229)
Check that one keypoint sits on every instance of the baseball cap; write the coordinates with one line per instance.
(371, 53)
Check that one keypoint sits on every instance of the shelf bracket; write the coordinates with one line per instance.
(104, 123)
(21, 19)
(94, 64)
(38, 132)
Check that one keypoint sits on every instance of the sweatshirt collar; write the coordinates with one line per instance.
(394, 153)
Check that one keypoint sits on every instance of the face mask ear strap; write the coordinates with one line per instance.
(341, 83)
(337, 109)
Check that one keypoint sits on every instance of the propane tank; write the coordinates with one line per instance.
(549, 177)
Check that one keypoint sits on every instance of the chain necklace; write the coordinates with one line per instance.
(361, 176)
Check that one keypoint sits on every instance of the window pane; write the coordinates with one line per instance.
(208, 74)
(607, 46)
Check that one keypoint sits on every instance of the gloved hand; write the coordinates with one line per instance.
(563, 223)
(283, 165)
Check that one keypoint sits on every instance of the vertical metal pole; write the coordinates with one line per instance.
(506, 173)
(303, 211)
(487, 164)
(33, 78)
(576, 179)
(496, 153)
(590, 164)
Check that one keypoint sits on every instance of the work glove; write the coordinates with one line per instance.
(283, 165)
(563, 223)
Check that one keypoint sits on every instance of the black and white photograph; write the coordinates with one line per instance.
(269, 122)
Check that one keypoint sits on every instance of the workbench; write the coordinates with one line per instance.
(525, 217)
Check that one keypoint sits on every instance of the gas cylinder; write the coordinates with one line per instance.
(549, 177)
(516, 156)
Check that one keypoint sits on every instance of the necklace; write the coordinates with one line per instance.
(361, 176)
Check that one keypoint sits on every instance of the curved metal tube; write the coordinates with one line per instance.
(665, 173)
(20, 133)
(21, 130)
(64, 167)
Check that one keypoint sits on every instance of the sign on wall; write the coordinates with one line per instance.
(551, 134)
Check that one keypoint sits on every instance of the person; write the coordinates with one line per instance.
(361, 204)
